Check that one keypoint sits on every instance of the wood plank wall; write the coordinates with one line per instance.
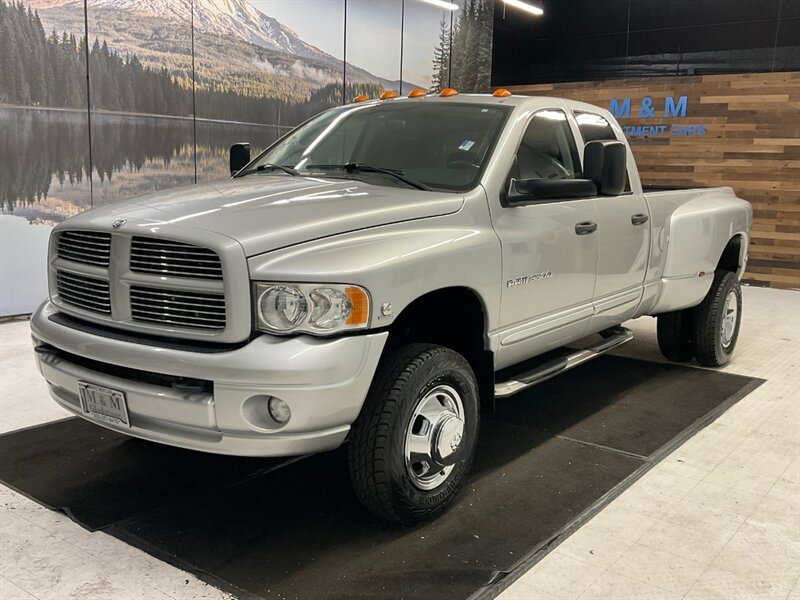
(752, 143)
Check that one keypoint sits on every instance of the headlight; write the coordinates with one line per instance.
(310, 308)
(282, 308)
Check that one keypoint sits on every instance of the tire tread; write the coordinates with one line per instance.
(707, 349)
(674, 331)
(370, 448)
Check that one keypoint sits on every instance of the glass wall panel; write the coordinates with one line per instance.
(261, 69)
(426, 45)
(471, 61)
(373, 47)
(44, 159)
(140, 77)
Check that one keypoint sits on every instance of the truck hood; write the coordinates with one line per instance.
(266, 212)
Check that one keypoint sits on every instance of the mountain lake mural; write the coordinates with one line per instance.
(173, 83)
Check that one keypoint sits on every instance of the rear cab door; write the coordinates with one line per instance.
(623, 232)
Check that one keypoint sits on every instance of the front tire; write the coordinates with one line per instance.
(414, 440)
(717, 321)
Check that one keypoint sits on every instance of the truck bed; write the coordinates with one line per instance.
(655, 187)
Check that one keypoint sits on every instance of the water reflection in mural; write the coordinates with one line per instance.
(44, 177)
(44, 156)
(43, 174)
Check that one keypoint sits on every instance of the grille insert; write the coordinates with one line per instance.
(88, 247)
(199, 310)
(81, 291)
(177, 259)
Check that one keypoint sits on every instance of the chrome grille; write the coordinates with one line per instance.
(180, 308)
(89, 247)
(178, 259)
(149, 284)
(88, 293)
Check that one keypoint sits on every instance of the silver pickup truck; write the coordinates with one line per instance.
(374, 277)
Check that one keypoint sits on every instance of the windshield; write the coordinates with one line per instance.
(437, 145)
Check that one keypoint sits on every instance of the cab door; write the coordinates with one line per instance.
(623, 237)
(549, 248)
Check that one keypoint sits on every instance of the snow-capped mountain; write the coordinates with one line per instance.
(238, 47)
(223, 17)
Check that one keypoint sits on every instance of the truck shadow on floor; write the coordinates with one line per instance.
(277, 528)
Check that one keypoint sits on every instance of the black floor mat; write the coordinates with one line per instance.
(99, 477)
(630, 405)
(545, 457)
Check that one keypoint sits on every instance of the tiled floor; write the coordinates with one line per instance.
(43, 554)
(718, 518)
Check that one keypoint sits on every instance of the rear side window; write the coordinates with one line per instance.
(547, 149)
(595, 127)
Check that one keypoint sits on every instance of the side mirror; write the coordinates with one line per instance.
(240, 156)
(527, 191)
(604, 164)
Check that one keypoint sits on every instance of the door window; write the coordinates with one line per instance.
(594, 127)
(547, 149)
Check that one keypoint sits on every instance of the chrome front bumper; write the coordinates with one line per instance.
(323, 381)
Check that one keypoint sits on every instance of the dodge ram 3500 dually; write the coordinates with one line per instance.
(376, 274)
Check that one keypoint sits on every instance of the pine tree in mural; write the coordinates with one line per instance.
(484, 45)
(50, 70)
(441, 58)
(469, 67)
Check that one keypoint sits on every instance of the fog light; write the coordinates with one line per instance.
(279, 410)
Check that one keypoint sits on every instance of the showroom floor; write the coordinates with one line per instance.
(718, 518)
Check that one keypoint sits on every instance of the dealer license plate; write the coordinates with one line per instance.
(104, 404)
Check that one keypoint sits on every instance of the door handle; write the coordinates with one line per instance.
(639, 219)
(585, 228)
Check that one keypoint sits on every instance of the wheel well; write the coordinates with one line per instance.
(453, 318)
(731, 259)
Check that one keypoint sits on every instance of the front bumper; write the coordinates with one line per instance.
(324, 382)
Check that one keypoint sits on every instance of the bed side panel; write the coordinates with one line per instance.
(690, 231)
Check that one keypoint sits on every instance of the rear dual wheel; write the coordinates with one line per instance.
(676, 335)
(707, 332)
(415, 439)
(717, 321)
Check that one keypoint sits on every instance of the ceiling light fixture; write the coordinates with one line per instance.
(529, 8)
(443, 4)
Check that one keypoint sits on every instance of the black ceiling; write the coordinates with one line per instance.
(584, 40)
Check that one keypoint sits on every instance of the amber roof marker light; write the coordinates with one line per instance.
(447, 92)
(417, 93)
(501, 93)
(360, 98)
(388, 95)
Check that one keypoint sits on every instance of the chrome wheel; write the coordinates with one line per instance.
(729, 318)
(434, 436)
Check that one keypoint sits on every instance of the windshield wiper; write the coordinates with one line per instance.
(271, 167)
(352, 167)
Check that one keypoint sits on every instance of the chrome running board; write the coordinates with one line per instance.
(612, 338)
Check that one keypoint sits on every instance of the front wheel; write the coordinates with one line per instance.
(414, 440)
(717, 321)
